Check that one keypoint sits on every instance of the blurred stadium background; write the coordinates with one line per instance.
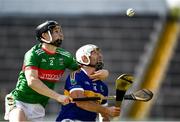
(146, 45)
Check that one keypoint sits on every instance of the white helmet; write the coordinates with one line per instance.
(85, 51)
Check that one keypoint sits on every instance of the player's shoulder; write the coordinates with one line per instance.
(63, 52)
(36, 49)
(74, 75)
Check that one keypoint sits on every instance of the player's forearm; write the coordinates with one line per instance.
(99, 75)
(37, 85)
(93, 107)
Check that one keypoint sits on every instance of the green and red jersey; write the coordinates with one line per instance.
(50, 68)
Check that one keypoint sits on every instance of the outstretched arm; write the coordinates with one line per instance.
(37, 85)
(100, 75)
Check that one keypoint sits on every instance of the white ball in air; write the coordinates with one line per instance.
(130, 12)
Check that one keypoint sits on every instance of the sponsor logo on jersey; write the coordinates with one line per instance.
(50, 75)
(43, 60)
(73, 82)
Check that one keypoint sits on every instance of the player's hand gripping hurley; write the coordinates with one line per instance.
(123, 82)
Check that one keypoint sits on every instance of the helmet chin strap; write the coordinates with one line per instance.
(46, 41)
(56, 43)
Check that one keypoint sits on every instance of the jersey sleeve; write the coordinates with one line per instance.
(72, 64)
(31, 59)
(73, 82)
(70, 61)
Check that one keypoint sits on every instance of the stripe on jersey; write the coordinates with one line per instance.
(49, 75)
(74, 89)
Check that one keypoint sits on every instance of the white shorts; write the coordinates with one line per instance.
(33, 112)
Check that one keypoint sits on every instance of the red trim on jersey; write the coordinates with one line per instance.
(49, 75)
(31, 67)
(48, 52)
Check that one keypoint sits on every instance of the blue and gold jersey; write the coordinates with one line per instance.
(80, 81)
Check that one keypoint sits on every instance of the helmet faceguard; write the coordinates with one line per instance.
(47, 27)
(86, 51)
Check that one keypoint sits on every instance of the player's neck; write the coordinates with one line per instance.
(89, 70)
(48, 47)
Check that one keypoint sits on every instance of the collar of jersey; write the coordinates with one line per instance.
(48, 52)
(84, 71)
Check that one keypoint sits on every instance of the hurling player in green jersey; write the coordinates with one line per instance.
(43, 66)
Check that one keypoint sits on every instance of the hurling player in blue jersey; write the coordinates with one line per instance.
(79, 84)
